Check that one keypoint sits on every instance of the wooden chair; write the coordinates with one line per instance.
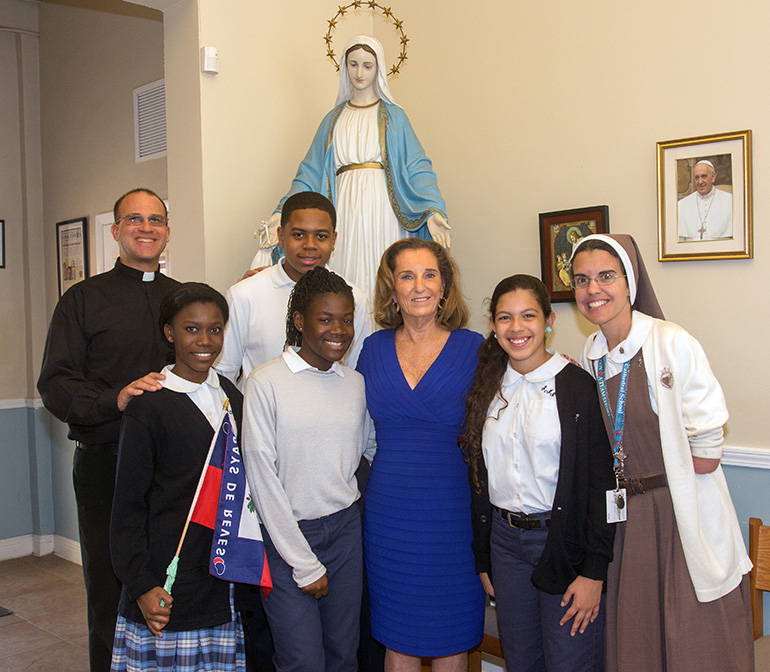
(759, 552)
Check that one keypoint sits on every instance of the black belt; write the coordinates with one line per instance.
(638, 485)
(526, 521)
(99, 448)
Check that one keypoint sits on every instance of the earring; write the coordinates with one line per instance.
(495, 335)
(548, 330)
(442, 303)
(398, 308)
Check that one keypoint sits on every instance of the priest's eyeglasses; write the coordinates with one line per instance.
(603, 279)
(135, 219)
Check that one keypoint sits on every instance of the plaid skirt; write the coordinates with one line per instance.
(217, 649)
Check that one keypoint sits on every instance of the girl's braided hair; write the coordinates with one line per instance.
(316, 281)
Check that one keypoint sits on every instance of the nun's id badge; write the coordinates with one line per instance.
(617, 509)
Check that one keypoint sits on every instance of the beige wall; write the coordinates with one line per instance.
(90, 63)
(256, 120)
(524, 108)
(548, 106)
(21, 297)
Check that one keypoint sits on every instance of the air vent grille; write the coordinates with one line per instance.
(150, 120)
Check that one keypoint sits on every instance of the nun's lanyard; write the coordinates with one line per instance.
(620, 412)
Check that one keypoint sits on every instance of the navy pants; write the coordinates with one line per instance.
(319, 635)
(528, 619)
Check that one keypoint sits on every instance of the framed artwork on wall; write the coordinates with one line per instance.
(559, 233)
(2, 243)
(705, 198)
(72, 252)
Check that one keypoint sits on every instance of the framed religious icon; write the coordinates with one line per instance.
(72, 252)
(705, 198)
(559, 233)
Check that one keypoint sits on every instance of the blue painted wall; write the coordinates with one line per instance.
(15, 482)
(62, 492)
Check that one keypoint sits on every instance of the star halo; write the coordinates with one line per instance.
(375, 7)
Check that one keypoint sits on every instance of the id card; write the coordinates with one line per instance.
(617, 509)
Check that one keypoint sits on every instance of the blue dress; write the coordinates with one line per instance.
(426, 599)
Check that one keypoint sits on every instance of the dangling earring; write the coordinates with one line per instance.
(398, 308)
(441, 304)
(548, 330)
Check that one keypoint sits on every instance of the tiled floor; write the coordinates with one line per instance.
(47, 630)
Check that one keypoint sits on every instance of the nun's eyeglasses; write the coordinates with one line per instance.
(603, 279)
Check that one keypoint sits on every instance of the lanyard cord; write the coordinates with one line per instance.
(618, 453)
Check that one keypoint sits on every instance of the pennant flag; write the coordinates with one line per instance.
(237, 552)
(204, 509)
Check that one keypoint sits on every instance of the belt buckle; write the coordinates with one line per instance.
(634, 485)
(512, 519)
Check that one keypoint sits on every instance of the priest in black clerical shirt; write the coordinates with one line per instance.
(103, 345)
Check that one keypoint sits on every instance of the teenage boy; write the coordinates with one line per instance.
(256, 331)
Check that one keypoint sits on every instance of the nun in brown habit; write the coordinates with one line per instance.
(678, 587)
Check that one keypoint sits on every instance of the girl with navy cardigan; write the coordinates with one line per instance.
(540, 466)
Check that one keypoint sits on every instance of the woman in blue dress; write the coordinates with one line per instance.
(426, 600)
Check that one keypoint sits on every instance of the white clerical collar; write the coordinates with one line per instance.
(148, 276)
(297, 364)
(708, 196)
(625, 350)
(545, 371)
(178, 384)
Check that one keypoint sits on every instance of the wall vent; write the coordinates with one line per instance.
(150, 121)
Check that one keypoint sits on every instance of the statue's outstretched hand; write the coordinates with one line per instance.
(439, 230)
(268, 231)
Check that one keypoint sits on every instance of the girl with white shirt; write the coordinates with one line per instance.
(540, 467)
(677, 589)
(164, 442)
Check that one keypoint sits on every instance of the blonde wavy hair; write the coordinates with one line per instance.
(452, 315)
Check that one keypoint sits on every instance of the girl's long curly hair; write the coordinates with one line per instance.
(487, 383)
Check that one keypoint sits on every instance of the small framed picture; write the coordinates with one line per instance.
(705, 198)
(559, 233)
(72, 252)
(2, 243)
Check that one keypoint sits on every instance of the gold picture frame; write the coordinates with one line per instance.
(717, 224)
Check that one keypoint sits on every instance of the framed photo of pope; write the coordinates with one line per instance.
(704, 198)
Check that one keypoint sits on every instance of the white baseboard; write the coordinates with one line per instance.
(40, 544)
(16, 547)
(67, 549)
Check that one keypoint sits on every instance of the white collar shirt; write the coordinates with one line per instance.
(522, 441)
(208, 396)
(296, 364)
